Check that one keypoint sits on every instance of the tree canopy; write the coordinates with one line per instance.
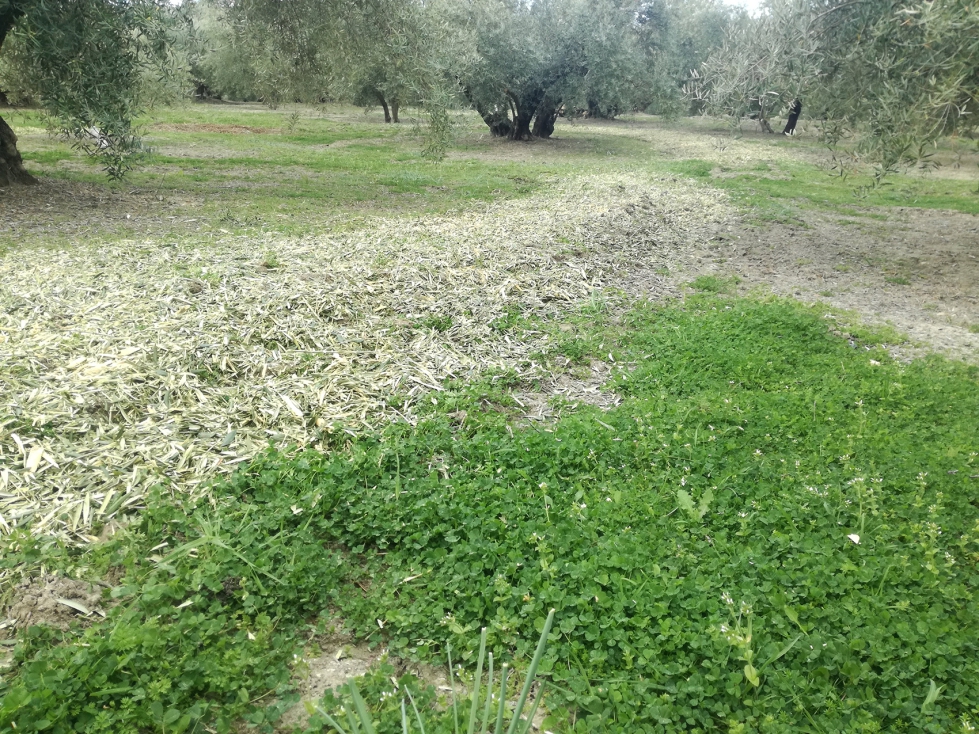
(903, 70)
(83, 60)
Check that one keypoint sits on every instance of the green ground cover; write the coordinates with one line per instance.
(775, 531)
(246, 168)
(295, 170)
(773, 191)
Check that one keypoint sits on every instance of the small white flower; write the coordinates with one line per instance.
(854, 537)
(875, 363)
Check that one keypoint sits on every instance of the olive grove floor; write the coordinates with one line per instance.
(286, 275)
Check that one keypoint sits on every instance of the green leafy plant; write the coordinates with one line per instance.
(694, 511)
(437, 322)
(270, 260)
(841, 514)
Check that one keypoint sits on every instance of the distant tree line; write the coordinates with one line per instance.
(902, 71)
(94, 64)
(518, 64)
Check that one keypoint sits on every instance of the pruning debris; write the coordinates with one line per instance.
(136, 364)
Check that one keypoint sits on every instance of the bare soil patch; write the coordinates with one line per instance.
(915, 269)
(196, 127)
(317, 674)
(70, 213)
(53, 601)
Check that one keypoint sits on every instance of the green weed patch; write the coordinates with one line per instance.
(715, 284)
(774, 192)
(775, 531)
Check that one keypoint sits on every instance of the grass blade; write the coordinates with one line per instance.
(489, 698)
(533, 710)
(452, 688)
(351, 720)
(502, 705)
(365, 718)
(476, 682)
(330, 720)
(783, 651)
(418, 716)
(404, 718)
(531, 672)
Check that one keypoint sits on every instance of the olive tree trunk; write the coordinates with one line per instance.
(384, 105)
(12, 169)
(547, 113)
(518, 117)
(496, 119)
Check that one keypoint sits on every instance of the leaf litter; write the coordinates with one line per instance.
(130, 365)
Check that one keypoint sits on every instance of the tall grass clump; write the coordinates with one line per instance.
(359, 712)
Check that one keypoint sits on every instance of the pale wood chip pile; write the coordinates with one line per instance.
(130, 365)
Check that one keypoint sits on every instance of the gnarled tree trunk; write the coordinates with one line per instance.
(394, 110)
(525, 108)
(518, 117)
(384, 105)
(545, 118)
(497, 120)
(597, 111)
(521, 126)
(12, 169)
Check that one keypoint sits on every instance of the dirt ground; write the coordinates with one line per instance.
(53, 601)
(50, 601)
(71, 213)
(914, 269)
(333, 659)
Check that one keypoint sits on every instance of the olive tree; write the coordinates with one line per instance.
(393, 60)
(519, 64)
(368, 51)
(265, 49)
(764, 67)
(677, 37)
(84, 61)
(897, 74)
(905, 73)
